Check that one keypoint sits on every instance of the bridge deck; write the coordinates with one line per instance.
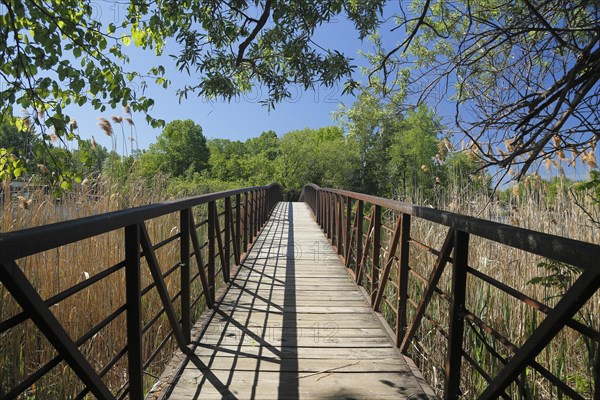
(292, 325)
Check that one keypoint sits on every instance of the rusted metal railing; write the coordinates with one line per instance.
(228, 234)
(345, 215)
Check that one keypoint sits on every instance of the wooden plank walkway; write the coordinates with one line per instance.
(293, 326)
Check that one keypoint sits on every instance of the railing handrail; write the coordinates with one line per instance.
(29, 241)
(570, 251)
(372, 262)
(235, 228)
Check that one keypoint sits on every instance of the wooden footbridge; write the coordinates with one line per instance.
(319, 299)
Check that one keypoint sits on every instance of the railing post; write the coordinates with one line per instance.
(227, 244)
(340, 220)
(238, 222)
(325, 213)
(245, 221)
(317, 206)
(376, 252)
(133, 287)
(455, 337)
(359, 235)
(251, 217)
(184, 252)
(401, 318)
(256, 203)
(321, 215)
(331, 215)
(212, 210)
(348, 229)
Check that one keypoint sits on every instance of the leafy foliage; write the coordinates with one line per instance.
(524, 75)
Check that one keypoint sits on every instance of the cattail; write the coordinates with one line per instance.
(24, 203)
(43, 168)
(556, 141)
(447, 144)
(117, 119)
(589, 158)
(105, 126)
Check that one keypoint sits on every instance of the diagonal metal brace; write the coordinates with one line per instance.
(29, 299)
(161, 287)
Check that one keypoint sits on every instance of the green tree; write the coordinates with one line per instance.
(371, 123)
(179, 148)
(523, 75)
(413, 163)
(322, 156)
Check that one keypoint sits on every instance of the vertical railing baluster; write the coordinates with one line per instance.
(456, 329)
(334, 217)
(211, 249)
(251, 217)
(340, 237)
(401, 318)
(348, 230)
(359, 235)
(320, 194)
(227, 244)
(133, 287)
(325, 214)
(245, 222)
(331, 215)
(317, 207)
(238, 222)
(376, 252)
(184, 253)
(256, 212)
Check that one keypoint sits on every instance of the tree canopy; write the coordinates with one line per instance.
(523, 75)
(180, 148)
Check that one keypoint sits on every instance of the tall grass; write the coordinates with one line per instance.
(23, 349)
(570, 356)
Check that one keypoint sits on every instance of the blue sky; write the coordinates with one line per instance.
(239, 119)
(243, 117)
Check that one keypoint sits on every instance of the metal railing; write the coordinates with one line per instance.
(372, 262)
(228, 234)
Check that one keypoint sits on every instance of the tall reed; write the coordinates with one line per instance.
(23, 349)
(570, 356)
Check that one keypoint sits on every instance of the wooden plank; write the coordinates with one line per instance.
(293, 325)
